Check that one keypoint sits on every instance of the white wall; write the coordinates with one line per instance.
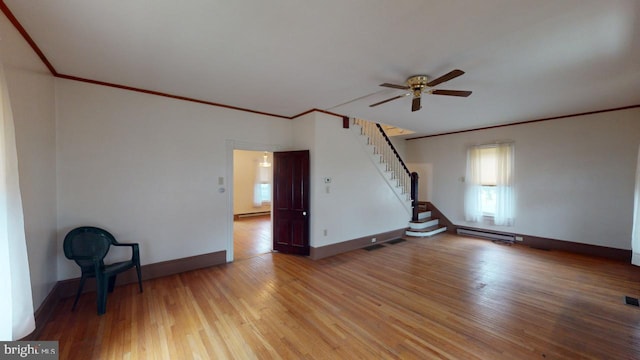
(359, 202)
(31, 89)
(245, 168)
(147, 168)
(574, 176)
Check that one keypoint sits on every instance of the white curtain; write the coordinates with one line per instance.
(635, 233)
(505, 195)
(473, 186)
(16, 304)
(490, 165)
(263, 176)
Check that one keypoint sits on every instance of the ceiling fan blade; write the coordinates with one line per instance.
(446, 77)
(460, 93)
(386, 101)
(394, 86)
(415, 104)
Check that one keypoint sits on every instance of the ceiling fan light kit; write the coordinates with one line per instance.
(417, 84)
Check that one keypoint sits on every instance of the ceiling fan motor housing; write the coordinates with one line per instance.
(417, 83)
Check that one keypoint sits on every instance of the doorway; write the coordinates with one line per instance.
(252, 192)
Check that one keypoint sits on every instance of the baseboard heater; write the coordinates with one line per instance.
(486, 234)
(253, 214)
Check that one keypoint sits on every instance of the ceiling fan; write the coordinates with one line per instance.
(417, 84)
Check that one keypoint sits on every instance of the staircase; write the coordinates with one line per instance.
(399, 178)
(426, 225)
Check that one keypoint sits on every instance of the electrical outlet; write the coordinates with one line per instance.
(373, 240)
(519, 238)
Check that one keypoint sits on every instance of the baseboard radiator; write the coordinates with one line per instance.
(262, 213)
(486, 234)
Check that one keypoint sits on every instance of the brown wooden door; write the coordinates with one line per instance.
(291, 202)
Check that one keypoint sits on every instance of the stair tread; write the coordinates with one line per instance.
(423, 220)
(425, 233)
(429, 229)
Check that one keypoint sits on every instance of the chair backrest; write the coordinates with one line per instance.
(87, 241)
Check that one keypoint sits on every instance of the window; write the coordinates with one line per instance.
(488, 200)
(262, 188)
(264, 193)
(488, 156)
(489, 190)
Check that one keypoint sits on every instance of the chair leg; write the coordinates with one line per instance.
(139, 276)
(101, 288)
(112, 283)
(75, 302)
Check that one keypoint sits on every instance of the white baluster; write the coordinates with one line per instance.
(386, 157)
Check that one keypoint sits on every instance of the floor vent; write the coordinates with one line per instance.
(628, 300)
(395, 241)
(373, 247)
(486, 234)
(539, 247)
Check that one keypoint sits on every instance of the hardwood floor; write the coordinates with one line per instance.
(251, 237)
(444, 297)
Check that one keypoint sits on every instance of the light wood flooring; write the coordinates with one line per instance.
(446, 297)
(251, 237)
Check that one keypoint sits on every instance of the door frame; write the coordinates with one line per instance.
(228, 182)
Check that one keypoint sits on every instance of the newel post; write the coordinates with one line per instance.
(414, 196)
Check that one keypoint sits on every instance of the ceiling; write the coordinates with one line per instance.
(524, 59)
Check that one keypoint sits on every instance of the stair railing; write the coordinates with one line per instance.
(391, 158)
